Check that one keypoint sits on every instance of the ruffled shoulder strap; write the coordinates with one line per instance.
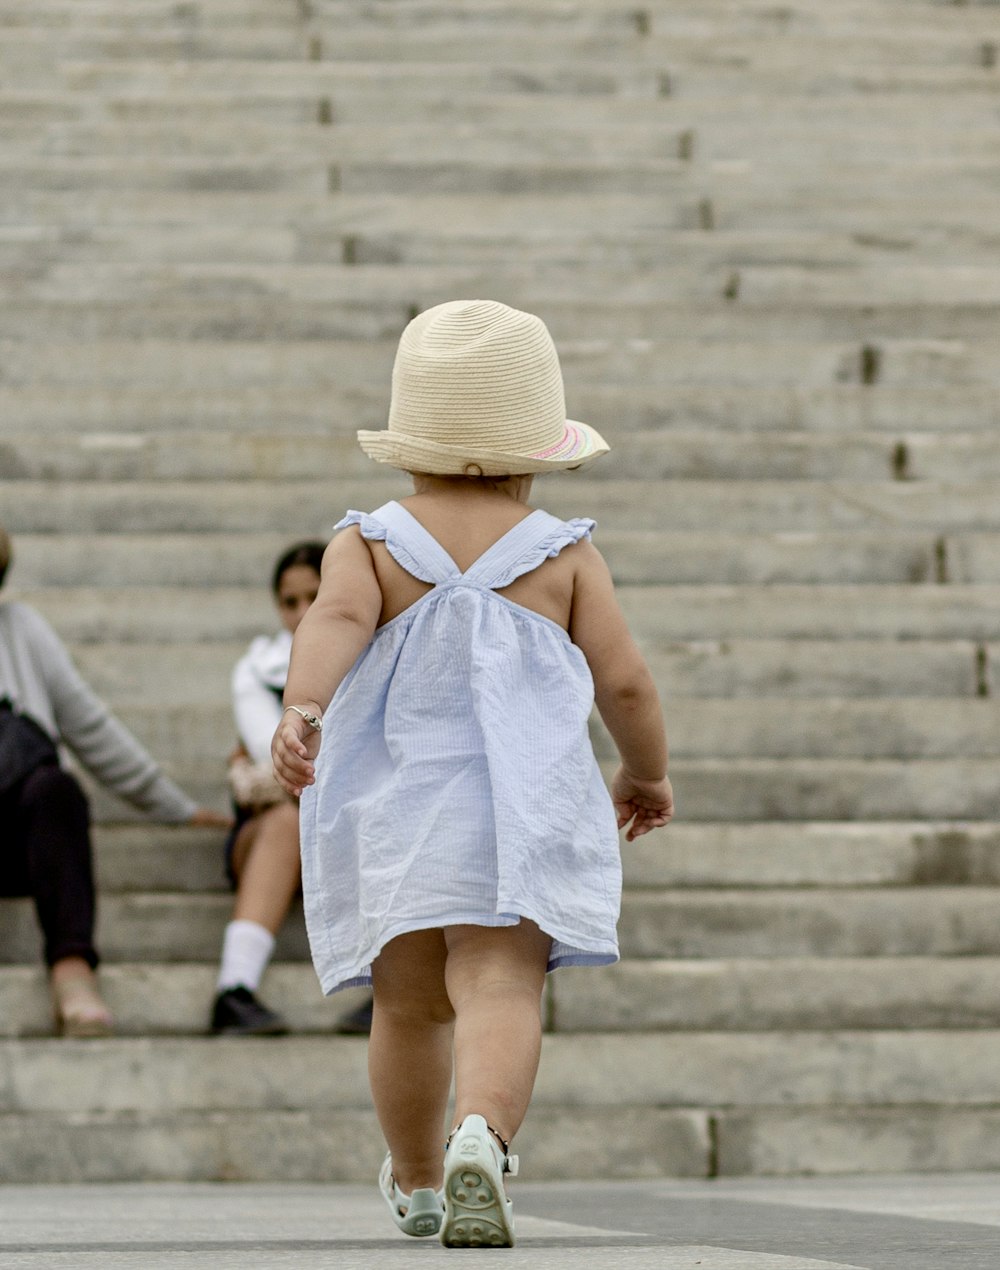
(533, 540)
(406, 540)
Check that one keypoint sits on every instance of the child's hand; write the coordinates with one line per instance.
(647, 804)
(293, 750)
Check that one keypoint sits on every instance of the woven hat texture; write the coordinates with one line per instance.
(477, 385)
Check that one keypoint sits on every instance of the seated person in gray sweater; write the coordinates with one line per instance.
(44, 818)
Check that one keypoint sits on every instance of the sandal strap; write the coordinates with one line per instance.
(511, 1163)
(500, 1138)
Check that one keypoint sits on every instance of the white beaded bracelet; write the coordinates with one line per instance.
(314, 721)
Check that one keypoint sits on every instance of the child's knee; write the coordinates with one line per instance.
(425, 1008)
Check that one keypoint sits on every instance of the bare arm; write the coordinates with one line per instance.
(625, 695)
(329, 640)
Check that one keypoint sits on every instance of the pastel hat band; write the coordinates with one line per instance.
(573, 444)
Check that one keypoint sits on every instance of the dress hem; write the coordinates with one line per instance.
(601, 953)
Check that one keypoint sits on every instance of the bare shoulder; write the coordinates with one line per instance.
(347, 549)
(585, 557)
(591, 575)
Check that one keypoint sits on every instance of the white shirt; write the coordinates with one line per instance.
(258, 683)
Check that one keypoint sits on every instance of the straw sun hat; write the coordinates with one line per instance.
(477, 388)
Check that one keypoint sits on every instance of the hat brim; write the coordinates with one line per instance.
(580, 443)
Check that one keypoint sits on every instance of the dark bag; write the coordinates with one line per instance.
(23, 746)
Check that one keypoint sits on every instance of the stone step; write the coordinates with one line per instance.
(747, 994)
(124, 286)
(273, 1145)
(725, 199)
(801, 69)
(518, 38)
(816, 854)
(161, 1076)
(682, 17)
(844, 411)
(160, 515)
(658, 616)
(468, 259)
(701, 727)
(176, 1000)
(696, 197)
(150, 368)
(152, 927)
(738, 121)
(788, 728)
(922, 921)
(770, 854)
(651, 558)
(737, 995)
(168, 316)
(654, 1143)
(850, 1139)
(682, 923)
(40, 47)
(835, 789)
(213, 454)
(292, 370)
(189, 674)
(775, 141)
(140, 14)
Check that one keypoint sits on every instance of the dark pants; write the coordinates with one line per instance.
(45, 854)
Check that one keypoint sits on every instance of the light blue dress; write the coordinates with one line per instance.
(456, 782)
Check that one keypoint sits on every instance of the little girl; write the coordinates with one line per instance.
(457, 838)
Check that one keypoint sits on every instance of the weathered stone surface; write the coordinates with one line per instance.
(160, 999)
(323, 1145)
(812, 854)
(636, 557)
(857, 1139)
(156, 1076)
(842, 923)
(216, 220)
(780, 512)
(151, 858)
(783, 994)
(169, 675)
(658, 616)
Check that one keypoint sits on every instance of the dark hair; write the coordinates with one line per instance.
(309, 554)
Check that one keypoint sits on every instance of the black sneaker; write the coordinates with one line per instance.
(358, 1022)
(237, 1012)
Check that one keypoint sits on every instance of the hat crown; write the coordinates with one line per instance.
(478, 373)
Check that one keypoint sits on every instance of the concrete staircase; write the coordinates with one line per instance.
(765, 240)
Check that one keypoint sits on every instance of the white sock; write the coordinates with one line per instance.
(246, 950)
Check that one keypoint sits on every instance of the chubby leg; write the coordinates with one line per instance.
(495, 977)
(410, 1055)
(270, 870)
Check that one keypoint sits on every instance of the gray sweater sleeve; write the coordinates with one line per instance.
(103, 745)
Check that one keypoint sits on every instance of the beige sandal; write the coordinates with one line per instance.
(79, 1008)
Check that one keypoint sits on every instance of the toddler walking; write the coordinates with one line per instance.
(458, 840)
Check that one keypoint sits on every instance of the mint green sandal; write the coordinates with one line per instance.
(477, 1212)
(419, 1214)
